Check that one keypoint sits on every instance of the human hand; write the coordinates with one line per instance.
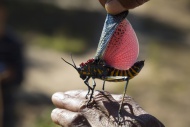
(72, 111)
(117, 6)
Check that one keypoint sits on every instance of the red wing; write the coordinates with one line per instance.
(123, 48)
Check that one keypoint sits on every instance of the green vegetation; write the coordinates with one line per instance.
(60, 43)
(44, 119)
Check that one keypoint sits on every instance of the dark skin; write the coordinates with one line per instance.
(71, 106)
(117, 6)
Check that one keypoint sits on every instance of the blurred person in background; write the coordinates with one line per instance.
(11, 69)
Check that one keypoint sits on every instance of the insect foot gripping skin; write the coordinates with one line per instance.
(115, 58)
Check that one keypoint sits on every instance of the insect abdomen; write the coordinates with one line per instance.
(129, 73)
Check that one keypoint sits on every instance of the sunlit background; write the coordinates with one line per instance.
(51, 29)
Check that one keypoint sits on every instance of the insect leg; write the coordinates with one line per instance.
(103, 85)
(119, 111)
(87, 84)
(91, 95)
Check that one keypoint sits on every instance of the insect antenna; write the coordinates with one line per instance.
(69, 63)
(73, 60)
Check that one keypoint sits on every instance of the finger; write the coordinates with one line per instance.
(117, 6)
(129, 4)
(66, 101)
(77, 93)
(68, 118)
(114, 7)
(102, 2)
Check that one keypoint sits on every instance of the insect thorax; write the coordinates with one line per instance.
(93, 68)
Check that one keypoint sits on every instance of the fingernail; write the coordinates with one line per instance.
(58, 95)
(54, 116)
(53, 113)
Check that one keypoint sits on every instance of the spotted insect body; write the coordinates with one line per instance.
(102, 71)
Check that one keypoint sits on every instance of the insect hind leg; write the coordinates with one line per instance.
(119, 111)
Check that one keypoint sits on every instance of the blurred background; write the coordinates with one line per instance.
(51, 29)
